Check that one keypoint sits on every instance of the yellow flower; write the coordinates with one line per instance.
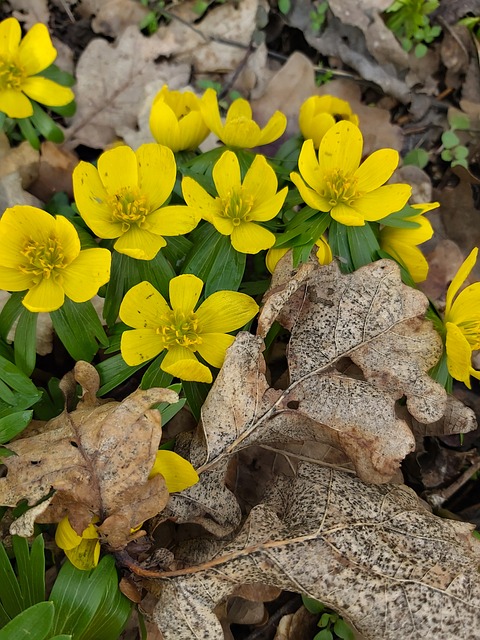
(123, 199)
(179, 328)
(21, 60)
(462, 323)
(240, 130)
(176, 121)
(318, 114)
(338, 183)
(42, 254)
(82, 551)
(324, 254)
(177, 472)
(401, 244)
(238, 206)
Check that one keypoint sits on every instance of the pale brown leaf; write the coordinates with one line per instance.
(96, 458)
(373, 553)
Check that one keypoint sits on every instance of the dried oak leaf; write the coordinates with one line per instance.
(96, 458)
(371, 552)
(111, 82)
(369, 317)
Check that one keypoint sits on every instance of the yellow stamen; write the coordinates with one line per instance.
(11, 76)
(237, 206)
(43, 258)
(129, 207)
(180, 329)
(340, 188)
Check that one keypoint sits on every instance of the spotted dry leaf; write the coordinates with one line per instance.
(368, 319)
(96, 458)
(373, 553)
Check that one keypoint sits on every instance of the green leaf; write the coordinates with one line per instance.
(417, 157)
(446, 155)
(10, 592)
(324, 634)
(10, 313)
(460, 153)
(113, 372)
(154, 376)
(420, 50)
(450, 139)
(79, 328)
(25, 343)
(458, 120)
(195, 392)
(343, 631)
(44, 123)
(58, 75)
(89, 604)
(363, 245)
(13, 424)
(29, 132)
(284, 6)
(30, 568)
(400, 219)
(312, 605)
(338, 241)
(16, 388)
(34, 623)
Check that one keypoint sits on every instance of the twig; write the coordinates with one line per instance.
(439, 498)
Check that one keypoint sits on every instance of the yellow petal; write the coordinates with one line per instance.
(241, 133)
(10, 34)
(249, 237)
(225, 311)
(346, 215)
(273, 256)
(376, 169)
(274, 128)
(240, 108)
(36, 51)
(14, 280)
(309, 196)
(68, 236)
(465, 312)
(91, 199)
(47, 92)
(226, 174)
(193, 130)
(308, 165)
(65, 535)
(15, 104)
(178, 473)
(459, 354)
(139, 243)
(86, 274)
(382, 201)
(172, 221)
(260, 181)
(143, 306)
(140, 345)
(324, 253)
(184, 292)
(155, 161)
(46, 296)
(85, 556)
(269, 209)
(410, 256)
(320, 125)
(118, 169)
(211, 112)
(198, 199)
(341, 148)
(460, 277)
(223, 225)
(181, 363)
(164, 125)
(213, 347)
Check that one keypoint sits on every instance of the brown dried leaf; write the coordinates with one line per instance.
(372, 553)
(96, 458)
(110, 86)
(369, 316)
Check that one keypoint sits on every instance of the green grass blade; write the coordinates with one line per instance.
(34, 623)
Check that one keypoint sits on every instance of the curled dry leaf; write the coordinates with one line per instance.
(369, 318)
(371, 552)
(96, 458)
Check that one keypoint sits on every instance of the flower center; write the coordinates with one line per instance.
(340, 188)
(237, 206)
(180, 329)
(43, 258)
(11, 76)
(129, 207)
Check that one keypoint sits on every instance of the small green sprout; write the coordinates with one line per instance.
(409, 21)
(332, 626)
